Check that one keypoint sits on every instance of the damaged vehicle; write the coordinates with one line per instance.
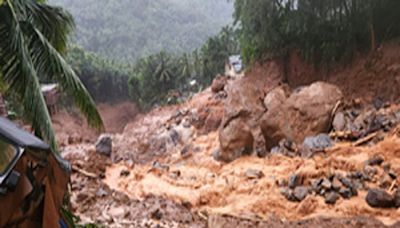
(33, 180)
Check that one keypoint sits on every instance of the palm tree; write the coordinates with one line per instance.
(32, 36)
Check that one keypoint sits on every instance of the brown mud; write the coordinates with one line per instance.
(162, 172)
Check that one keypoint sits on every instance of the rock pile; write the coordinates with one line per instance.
(291, 117)
(376, 178)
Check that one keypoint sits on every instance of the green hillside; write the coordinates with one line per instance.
(128, 29)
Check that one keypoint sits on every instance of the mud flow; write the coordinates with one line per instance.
(250, 152)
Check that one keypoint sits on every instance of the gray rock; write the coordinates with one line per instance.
(316, 185)
(294, 181)
(326, 184)
(379, 198)
(331, 197)
(288, 194)
(300, 193)
(345, 193)
(104, 145)
(318, 143)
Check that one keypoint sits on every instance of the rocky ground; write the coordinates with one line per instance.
(252, 152)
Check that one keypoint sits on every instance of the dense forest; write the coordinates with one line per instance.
(323, 32)
(130, 29)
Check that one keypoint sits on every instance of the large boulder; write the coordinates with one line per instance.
(235, 139)
(306, 112)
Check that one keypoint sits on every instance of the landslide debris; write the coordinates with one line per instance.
(163, 172)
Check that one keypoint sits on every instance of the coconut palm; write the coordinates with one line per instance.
(32, 36)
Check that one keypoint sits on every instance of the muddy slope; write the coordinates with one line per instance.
(162, 171)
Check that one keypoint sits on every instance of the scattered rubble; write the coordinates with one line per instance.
(327, 158)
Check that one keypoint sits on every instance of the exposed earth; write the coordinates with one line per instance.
(165, 169)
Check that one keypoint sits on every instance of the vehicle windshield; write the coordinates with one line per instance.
(7, 154)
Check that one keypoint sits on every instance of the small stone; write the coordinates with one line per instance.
(316, 185)
(185, 152)
(101, 192)
(393, 175)
(331, 197)
(378, 103)
(318, 143)
(345, 193)
(387, 167)
(358, 184)
(295, 181)
(261, 152)
(355, 175)
(288, 194)
(326, 184)
(379, 198)
(370, 171)
(385, 181)
(157, 215)
(290, 145)
(300, 193)
(104, 145)
(375, 161)
(336, 184)
(254, 174)
(124, 173)
(339, 122)
(346, 182)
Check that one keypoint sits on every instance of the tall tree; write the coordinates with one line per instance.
(32, 36)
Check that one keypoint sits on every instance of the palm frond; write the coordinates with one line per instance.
(49, 62)
(31, 35)
(21, 76)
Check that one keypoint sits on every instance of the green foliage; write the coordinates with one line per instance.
(131, 29)
(322, 31)
(32, 34)
(105, 80)
(163, 76)
(154, 76)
